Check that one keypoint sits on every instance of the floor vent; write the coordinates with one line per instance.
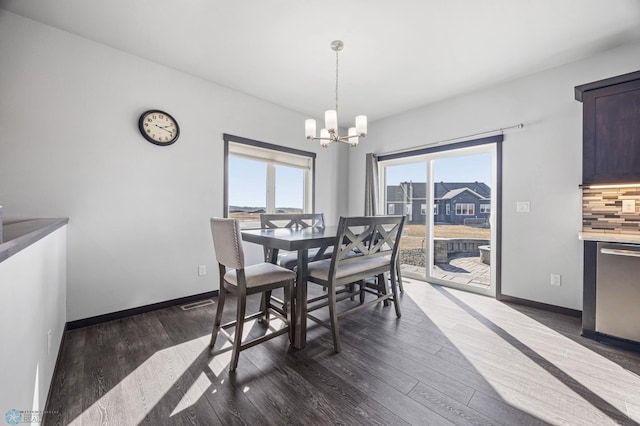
(198, 304)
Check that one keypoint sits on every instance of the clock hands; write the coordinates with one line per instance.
(164, 128)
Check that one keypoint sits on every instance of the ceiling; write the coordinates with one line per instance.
(398, 55)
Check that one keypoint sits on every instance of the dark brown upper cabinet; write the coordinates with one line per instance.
(611, 129)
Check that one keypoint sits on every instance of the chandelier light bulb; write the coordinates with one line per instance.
(361, 125)
(310, 128)
(353, 136)
(331, 120)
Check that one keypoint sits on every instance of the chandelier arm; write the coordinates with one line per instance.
(333, 139)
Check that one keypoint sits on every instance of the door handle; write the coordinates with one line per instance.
(620, 252)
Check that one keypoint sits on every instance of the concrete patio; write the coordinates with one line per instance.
(461, 268)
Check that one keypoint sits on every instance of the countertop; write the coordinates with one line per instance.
(20, 235)
(610, 237)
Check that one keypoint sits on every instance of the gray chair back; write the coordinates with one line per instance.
(292, 220)
(227, 242)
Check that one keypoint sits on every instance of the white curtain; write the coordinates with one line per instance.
(371, 191)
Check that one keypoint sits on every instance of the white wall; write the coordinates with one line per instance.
(541, 164)
(70, 147)
(34, 293)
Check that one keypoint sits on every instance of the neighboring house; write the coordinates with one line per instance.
(453, 201)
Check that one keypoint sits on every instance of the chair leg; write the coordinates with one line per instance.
(265, 303)
(394, 290)
(237, 339)
(382, 287)
(287, 307)
(216, 322)
(399, 276)
(333, 318)
(363, 285)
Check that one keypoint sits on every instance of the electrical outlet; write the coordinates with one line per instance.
(202, 270)
(523, 207)
(556, 279)
(49, 342)
(628, 206)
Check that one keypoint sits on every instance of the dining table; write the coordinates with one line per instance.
(299, 240)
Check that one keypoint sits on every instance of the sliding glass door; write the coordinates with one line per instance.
(448, 197)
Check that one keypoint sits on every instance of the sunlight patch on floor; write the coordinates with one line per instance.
(195, 392)
(166, 368)
(494, 340)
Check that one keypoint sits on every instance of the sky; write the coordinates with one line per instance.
(247, 187)
(247, 177)
(467, 168)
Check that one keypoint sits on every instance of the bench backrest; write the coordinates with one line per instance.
(368, 237)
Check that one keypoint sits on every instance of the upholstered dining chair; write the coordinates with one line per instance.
(375, 239)
(242, 281)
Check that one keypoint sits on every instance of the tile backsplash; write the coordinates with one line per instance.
(602, 210)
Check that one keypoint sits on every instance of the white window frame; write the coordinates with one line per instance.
(391, 208)
(485, 208)
(272, 156)
(447, 209)
(462, 209)
(423, 209)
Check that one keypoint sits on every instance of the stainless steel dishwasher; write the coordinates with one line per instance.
(618, 290)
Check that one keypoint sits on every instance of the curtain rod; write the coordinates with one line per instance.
(500, 130)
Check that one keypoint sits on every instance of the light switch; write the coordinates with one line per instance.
(523, 207)
(202, 270)
(628, 206)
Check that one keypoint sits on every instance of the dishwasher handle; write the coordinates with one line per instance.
(620, 252)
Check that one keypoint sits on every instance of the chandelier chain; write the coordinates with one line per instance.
(337, 80)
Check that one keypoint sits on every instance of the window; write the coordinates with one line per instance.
(407, 209)
(391, 209)
(423, 209)
(485, 208)
(465, 209)
(448, 209)
(266, 178)
(436, 209)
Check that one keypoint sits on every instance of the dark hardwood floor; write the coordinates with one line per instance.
(453, 358)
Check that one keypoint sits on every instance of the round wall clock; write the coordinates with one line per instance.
(158, 127)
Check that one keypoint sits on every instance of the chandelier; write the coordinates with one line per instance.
(330, 132)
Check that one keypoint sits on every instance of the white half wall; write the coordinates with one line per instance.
(139, 213)
(34, 294)
(542, 164)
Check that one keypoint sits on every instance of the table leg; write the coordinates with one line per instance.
(300, 327)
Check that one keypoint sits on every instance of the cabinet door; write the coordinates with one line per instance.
(611, 134)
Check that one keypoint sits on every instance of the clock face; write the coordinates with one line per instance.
(158, 127)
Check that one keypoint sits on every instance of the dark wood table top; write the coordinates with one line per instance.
(292, 239)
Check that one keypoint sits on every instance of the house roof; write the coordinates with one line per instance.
(442, 190)
(453, 193)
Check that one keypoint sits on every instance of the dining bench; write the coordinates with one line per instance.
(375, 240)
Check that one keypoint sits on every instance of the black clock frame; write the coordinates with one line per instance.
(153, 141)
